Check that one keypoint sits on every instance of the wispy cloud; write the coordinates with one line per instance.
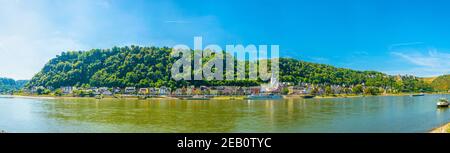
(176, 21)
(393, 46)
(431, 63)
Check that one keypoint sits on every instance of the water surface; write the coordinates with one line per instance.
(362, 114)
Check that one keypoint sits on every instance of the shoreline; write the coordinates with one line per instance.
(441, 129)
(221, 97)
(27, 97)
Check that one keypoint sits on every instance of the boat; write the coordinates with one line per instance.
(197, 97)
(181, 97)
(417, 95)
(442, 103)
(307, 96)
(99, 97)
(264, 97)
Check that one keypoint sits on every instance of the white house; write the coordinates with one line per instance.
(130, 90)
(164, 90)
(67, 90)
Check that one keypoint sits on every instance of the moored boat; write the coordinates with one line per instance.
(307, 96)
(264, 97)
(442, 103)
(198, 97)
(416, 95)
(99, 97)
(181, 97)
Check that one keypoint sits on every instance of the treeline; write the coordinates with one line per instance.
(9, 85)
(296, 71)
(151, 67)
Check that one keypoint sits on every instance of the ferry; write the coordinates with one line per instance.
(264, 97)
(442, 103)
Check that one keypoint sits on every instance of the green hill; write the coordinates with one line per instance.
(150, 67)
(441, 83)
(7, 84)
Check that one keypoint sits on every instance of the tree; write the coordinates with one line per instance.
(358, 89)
(58, 92)
(315, 91)
(285, 91)
(371, 91)
(328, 90)
(40, 90)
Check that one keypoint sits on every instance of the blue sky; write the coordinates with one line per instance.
(391, 36)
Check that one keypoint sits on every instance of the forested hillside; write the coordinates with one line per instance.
(150, 67)
(8, 85)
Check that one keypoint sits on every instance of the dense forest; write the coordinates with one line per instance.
(151, 67)
(9, 85)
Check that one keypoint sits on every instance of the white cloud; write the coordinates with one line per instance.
(34, 31)
(432, 63)
(393, 46)
(176, 21)
(28, 39)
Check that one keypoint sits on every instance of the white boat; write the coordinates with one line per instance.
(443, 103)
(264, 97)
(198, 97)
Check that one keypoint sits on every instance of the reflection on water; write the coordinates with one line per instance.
(365, 114)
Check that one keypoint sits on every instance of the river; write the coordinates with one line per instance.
(360, 114)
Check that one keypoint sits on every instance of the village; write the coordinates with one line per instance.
(287, 89)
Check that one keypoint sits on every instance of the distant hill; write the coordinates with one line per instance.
(151, 67)
(7, 84)
(441, 83)
(428, 80)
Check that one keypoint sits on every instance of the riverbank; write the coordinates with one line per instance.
(442, 129)
(355, 95)
(221, 97)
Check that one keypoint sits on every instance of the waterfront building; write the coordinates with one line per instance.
(179, 91)
(65, 90)
(144, 91)
(116, 90)
(104, 91)
(272, 87)
(130, 90)
(164, 90)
